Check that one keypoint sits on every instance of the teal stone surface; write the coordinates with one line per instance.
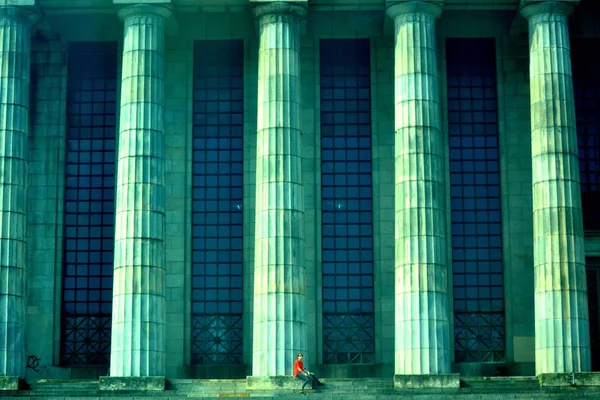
(562, 341)
(422, 309)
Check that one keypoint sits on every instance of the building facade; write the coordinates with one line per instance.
(204, 188)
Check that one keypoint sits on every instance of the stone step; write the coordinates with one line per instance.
(346, 385)
(327, 395)
(193, 385)
(88, 383)
(490, 388)
(493, 383)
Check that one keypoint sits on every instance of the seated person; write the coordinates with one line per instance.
(302, 373)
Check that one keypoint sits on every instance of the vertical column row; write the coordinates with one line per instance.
(138, 346)
(422, 321)
(279, 273)
(562, 340)
(15, 33)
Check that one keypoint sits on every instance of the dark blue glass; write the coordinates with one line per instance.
(586, 85)
(475, 200)
(346, 195)
(217, 194)
(89, 203)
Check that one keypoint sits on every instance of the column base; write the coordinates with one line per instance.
(439, 381)
(9, 382)
(146, 383)
(285, 382)
(577, 379)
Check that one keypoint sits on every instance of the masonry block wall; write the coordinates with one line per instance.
(382, 61)
(517, 200)
(46, 199)
(177, 160)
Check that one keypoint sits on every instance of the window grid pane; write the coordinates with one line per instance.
(586, 85)
(346, 194)
(89, 203)
(475, 200)
(217, 229)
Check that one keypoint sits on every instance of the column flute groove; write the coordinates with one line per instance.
(562, 341)
(138, 344)
(422, 317)
(15, 57)
(279, 327)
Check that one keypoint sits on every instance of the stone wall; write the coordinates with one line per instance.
(382, 75)
(178, 88)
(46, 202)
(311, 178)
(517, 201)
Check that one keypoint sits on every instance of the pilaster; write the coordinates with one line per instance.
(279, 328)
(15, 58)
(562, 339)
(46, 197)
(138, 344)
(422, 309)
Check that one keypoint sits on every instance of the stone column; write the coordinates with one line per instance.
(279, 328)
(138, 344)
(15, 58)
(562, 335)
(422, 315)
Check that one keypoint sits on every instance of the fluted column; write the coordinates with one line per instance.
(422, 326)
(279, 328)
(138, 344)
(15, 58)
(562, 335)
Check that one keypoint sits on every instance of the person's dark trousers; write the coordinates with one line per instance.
(306, 379)
(314, 381)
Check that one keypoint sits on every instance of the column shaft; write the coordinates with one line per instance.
(138, 346)
(15, 42)
(562, 340)
(422, 326)
(279, 330)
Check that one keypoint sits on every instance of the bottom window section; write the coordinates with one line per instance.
(593, 283)
(348, 339)
(479, 337)
(86, 339)
(217, 339)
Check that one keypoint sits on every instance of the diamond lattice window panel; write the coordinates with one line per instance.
(348, 339)
(593, 278)
(217, 339)
(86, 340)
(479, 337)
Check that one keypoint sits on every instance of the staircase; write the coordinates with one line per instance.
(492, 384)
(472, 388)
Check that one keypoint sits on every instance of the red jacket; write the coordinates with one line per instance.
(298, 367)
